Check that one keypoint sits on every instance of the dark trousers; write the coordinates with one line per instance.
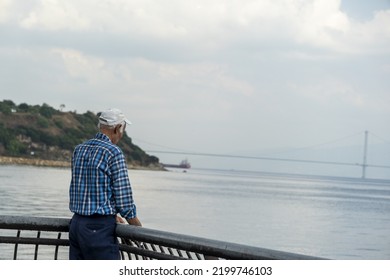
(93, 238)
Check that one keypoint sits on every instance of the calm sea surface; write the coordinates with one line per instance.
(323, 217)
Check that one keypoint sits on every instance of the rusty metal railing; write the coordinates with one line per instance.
(47, 238)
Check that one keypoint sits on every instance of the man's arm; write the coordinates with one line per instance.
(134, 221)
(123, 192)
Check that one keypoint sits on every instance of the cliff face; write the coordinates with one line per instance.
(44, 133)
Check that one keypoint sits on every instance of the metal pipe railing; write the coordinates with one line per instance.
(135, 242)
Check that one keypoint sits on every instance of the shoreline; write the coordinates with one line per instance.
(4, 160)
(33, 162)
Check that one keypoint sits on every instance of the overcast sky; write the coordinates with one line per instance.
(237, 76)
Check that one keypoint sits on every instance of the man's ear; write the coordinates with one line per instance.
(116, 129)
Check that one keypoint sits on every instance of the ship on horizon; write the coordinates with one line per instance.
(183, 164)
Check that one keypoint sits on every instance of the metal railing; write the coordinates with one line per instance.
(47, 238)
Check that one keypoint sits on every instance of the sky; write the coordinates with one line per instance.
(237, 77)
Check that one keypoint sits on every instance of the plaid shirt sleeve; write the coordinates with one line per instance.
(121, 187)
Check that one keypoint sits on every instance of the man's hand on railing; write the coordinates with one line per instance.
(134, 221)
(120, 220)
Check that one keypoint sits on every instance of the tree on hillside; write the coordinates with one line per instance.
(45, 133)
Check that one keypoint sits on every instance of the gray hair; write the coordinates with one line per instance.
(104, 126)
(110, 127)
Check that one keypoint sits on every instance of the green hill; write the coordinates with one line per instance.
(45, 133)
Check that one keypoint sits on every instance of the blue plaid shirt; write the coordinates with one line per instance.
(100, 183)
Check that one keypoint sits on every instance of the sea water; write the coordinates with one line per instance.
(337, 218)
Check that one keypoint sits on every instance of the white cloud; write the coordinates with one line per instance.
(212, 25)
(318, 22)
(80, 66)
(203, 89)
(4, 6)
(372, 36)
(56, 15)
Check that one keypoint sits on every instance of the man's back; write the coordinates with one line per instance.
(99, 190)
(98, 170)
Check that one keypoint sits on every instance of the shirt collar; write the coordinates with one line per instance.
(103, 137)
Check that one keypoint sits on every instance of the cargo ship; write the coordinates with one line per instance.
(183, 164)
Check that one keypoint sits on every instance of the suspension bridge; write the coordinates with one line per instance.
(363, 165)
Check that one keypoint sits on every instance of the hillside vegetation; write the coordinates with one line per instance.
(45, 133)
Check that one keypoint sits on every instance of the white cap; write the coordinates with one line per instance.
(112, 117)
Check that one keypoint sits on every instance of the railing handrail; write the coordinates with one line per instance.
(205, 246)
(187, 243)
(34, 223)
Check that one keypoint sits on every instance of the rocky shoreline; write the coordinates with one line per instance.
(57, 163)
(33, 161)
